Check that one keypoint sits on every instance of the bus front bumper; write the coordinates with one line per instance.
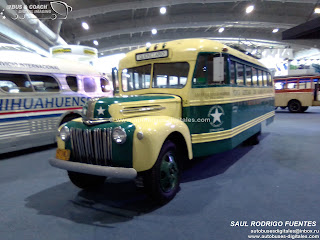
(114, 172)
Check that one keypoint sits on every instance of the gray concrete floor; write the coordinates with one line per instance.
(276, 180)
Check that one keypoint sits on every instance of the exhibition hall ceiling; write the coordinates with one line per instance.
(122, 25)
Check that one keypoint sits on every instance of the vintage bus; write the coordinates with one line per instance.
(177, 101)
(37, 94)
(297, 93)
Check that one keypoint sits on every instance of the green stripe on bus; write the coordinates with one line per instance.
(209, 148)
(225, 116)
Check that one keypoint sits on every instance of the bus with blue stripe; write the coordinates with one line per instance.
(37, 94)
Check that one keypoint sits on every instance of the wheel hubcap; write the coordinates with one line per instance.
(168, 172)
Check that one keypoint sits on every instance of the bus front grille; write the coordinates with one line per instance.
(92, 146)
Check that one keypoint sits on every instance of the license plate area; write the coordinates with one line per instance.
(63, 154)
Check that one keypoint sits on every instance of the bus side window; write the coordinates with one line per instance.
(201, 71)
(232, 72)
(304, 83)
(248, 75)
(265, 79)
(260, 77)
(280, 84)
(205, 69)
(240, 74)
(72, 83)
(89, 84)
(15, 83)
(254, 77)
(269, 80)
(43, 83)
(292, 84)
(105, 85)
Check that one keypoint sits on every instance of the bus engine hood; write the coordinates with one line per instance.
(98, 110)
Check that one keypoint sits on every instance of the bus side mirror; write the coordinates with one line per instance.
(218, 69)
(115, 80)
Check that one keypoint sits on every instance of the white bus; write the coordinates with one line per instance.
(37, 94)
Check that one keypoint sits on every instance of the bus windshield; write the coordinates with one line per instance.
(136, 78)
(170, 75)
(165, 75)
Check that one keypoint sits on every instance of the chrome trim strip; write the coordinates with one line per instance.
(95, 121)
(141, 109)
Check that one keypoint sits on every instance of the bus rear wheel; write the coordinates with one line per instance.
(294, 106)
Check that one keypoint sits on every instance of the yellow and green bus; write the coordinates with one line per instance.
(176, 101)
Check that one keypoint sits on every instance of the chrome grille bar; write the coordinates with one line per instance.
(92, 146)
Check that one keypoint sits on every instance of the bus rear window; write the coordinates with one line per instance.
(170, 75)
(136, 78)
(15, 83)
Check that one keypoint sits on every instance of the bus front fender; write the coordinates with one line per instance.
(149, 136)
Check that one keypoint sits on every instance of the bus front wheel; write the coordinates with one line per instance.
(163, 179)
(294, 106)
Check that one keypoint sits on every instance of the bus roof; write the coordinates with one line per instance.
(15, 61)
(186, 49)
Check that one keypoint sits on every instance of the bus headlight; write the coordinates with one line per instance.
(119, 135)
(64, 133)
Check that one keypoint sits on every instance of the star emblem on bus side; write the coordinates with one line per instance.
(216, 116)
(100, 110)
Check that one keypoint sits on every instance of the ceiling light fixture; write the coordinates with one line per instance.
(163, 10)
(249, 9)
(154, 31)
(275, 30)
(148, 44)
(317, 10)
(95, 42)
(85, 25)
(221, 29)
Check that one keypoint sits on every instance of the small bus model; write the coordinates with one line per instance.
(177, 100)
(37, 94)
(297, 93)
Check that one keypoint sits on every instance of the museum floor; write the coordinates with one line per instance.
(276, 180)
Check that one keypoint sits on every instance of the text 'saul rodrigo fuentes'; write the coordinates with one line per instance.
(286, 223)
(287, 229)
